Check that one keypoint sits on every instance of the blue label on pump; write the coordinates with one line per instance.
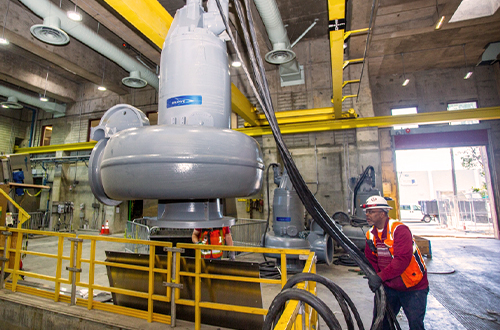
(284, 219)
(183, 100)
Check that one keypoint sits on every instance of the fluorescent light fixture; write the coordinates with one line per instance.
(236, 64)
(5, 106)
(438, 25)
(4, 41)
(467, 76)
(74, 15)
(406, 82)
(102, 88)
(44, 99)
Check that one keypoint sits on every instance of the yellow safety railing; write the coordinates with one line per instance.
(75, 260)
(23, 215)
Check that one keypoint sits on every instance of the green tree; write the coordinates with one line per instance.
(471, 159)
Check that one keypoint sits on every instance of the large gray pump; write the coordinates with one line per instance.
(192, 158)
(288, 225)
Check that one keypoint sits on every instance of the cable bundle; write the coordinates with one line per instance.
(261, 91)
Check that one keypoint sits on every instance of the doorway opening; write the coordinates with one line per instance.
(445, 188)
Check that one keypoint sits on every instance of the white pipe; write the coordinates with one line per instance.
(270, 14)
(45, 8)
(57, 109)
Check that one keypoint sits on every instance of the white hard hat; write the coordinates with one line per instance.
(376, 202)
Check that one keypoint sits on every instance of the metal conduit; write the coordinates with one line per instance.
(57, 109)
(45, 8)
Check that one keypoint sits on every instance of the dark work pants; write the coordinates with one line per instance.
(414, 304)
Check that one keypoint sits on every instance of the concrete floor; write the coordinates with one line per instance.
(463, 276)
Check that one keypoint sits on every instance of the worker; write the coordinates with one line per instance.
(398, 263)
(213, 236)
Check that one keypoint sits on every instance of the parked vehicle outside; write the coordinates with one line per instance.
(410, 212)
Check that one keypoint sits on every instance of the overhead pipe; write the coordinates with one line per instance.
(290, 71)
(44, 9)
(58, 110)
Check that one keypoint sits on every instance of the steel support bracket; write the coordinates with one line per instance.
(6, 233)
(4, 259)
(74, 269)
(173, 285)
(173, 249)
(75, 239)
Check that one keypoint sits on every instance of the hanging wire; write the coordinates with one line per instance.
(262, 93)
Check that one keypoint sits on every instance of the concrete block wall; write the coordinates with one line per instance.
(13, 124)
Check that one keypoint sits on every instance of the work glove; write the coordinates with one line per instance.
(374, 282)
(232, 255)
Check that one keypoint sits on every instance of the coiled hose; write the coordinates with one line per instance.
(261, 91)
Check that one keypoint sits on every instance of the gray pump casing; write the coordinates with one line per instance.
(192, 158)
(288, 225)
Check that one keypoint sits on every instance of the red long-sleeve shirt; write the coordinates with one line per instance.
(403, 252)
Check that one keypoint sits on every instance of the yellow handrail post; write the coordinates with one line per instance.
(60, 247)
(151, 283)
(19, 244)
(79, 259)
(91, 274)
(197, 289)
(283, 269)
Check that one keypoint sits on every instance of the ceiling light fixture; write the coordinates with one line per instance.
(3, 40)
(406, 81)
(74, 15)
(469, 73)
(441, 20)
(43, 98)
(236, 63)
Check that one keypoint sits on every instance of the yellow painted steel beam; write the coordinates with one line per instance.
(242, 107)
(348, 96)
(56, 147)
(336, 17)
(383, 121)
(356, 60)
(349, 33)
(147, 16)
(350, 82)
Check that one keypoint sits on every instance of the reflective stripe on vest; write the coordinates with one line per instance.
(211, 237)
(415, 270)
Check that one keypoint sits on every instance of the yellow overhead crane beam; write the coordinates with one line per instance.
(152, 20)
(291, 126)
(385, 121)
(336, 17)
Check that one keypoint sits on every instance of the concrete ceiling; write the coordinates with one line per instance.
(400, 28)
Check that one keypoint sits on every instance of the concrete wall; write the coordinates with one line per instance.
(326, 159)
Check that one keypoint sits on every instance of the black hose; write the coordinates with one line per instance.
(343, 299)
(302, 295)
(268, 205)
(359, 182)
(262, 93)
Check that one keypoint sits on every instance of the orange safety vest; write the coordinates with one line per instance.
(211, 237)
(414, 273)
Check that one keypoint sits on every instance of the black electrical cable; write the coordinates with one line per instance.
(345, 260)
(358, 184)
(343, 299)
(268, 206)
(310, 203)
(302, 295)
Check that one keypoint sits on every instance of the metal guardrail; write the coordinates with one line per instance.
(137, 231)
(37, 220)
(248, 232)
(81, 268)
